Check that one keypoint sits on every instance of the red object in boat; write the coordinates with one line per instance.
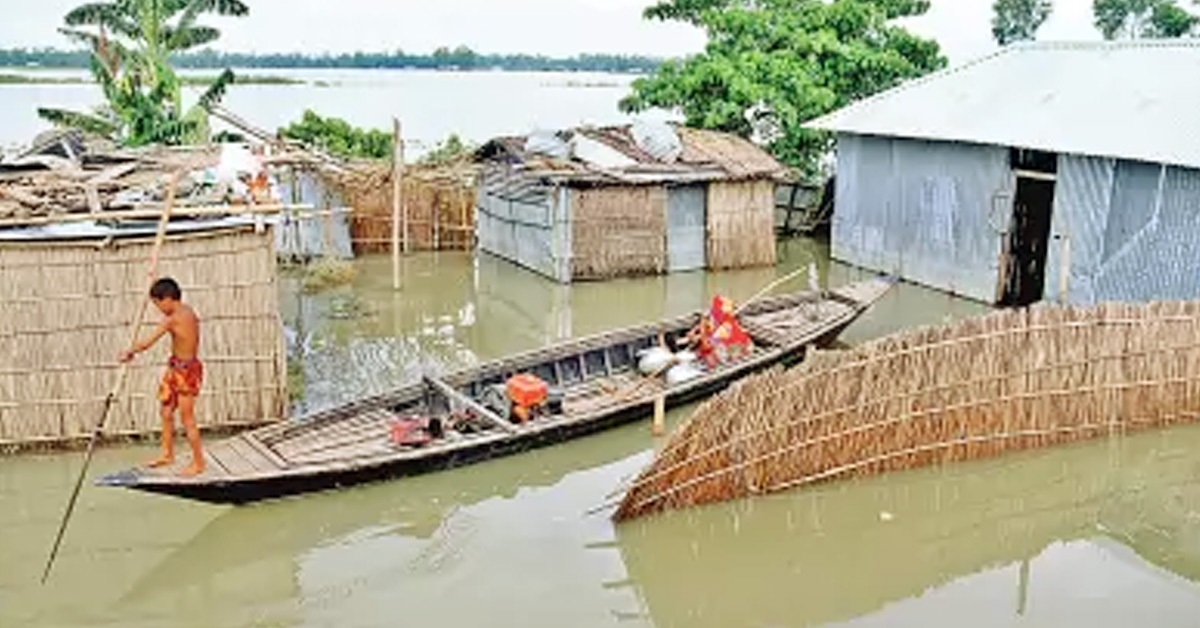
(410, 431)
(527, 390)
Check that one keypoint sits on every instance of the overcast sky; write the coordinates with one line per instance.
(553, 27)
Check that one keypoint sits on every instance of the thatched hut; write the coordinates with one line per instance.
(594, 203)
(70, 293)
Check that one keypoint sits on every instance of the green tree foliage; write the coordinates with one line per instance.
(799, 58)
(1018, 20)
(1142, 19)
(338, 137)
(130, 44)
(452, 149)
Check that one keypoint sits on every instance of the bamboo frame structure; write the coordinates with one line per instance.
(437, 209)
(65, 318)
(1010, 380)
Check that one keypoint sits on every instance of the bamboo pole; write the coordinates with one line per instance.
(122, 374)
(397, 190)
(142, 214)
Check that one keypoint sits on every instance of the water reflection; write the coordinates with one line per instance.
(1092, 535)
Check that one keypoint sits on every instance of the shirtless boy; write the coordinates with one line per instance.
(185, 373)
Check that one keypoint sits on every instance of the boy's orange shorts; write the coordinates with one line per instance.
(183, 377)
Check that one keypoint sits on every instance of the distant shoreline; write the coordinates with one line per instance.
(26, 79)
(449, 60)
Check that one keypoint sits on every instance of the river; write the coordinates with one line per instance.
(1099, 534)
(430, 104)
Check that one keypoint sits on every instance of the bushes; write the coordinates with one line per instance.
(336, 136)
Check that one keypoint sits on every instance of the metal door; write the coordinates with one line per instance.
(686, 227)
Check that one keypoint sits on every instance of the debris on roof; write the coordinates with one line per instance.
(633, 154)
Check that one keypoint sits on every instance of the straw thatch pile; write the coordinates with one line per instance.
(68, 307)
(439, 200)
(1005, 381)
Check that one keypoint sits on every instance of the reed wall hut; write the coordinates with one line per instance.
(69, 295)
(595, 203)
(1065, 171)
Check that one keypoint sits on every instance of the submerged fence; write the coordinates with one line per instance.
(1010, 380)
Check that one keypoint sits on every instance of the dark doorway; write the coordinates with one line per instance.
(1023, 266)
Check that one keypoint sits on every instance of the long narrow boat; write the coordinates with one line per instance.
(596, 379)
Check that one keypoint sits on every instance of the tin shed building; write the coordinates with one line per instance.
(1047, 170)
(596, 203)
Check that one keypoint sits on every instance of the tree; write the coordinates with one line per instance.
(692, 11)
(1018, 20)
(796, 59)
(1142, 18)
(131, 43)
(338, 137)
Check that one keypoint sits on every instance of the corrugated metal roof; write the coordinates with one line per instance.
(1135, 100)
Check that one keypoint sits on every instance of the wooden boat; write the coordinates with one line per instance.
(596, 378)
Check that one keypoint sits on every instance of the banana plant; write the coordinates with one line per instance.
(131, 42)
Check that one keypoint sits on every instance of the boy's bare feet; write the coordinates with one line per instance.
(192, 470)
(161, 461)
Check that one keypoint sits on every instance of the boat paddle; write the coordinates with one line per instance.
(122, 374)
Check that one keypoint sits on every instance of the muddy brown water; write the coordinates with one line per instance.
(1101, 534)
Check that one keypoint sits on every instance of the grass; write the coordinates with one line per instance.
(24, 79)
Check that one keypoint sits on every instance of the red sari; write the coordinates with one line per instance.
(728, 331)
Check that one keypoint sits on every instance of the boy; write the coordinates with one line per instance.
(185, 373)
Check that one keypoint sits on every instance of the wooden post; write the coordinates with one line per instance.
(397, 201)
(437, 218)
(660, 412)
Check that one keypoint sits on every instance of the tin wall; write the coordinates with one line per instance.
(527, 225)
(1133, 230)
(929, 212)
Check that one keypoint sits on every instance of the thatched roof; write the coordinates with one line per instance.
(623, 155)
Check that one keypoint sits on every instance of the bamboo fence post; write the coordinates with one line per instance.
(437, 218)
(397, 190)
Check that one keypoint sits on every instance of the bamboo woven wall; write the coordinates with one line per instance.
(440, 205)
(741, 224)
(67, 308)
(1006, 381)
(618, 231)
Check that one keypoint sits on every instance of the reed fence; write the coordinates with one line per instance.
(618, 230)
(741, 224)
(67, 308)
(439, 202)
(1009, 380)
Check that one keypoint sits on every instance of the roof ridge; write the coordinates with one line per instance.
(1014, 48)
(913, 82)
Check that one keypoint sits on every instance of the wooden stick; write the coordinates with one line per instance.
(397, 190)
(453, 395)
(771, 286)
(121, 375)
(658, 427)
(141, 214)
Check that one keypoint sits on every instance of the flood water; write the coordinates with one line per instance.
(1102, 534)
(430, 104)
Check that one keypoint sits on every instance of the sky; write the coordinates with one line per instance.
(551, 27)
